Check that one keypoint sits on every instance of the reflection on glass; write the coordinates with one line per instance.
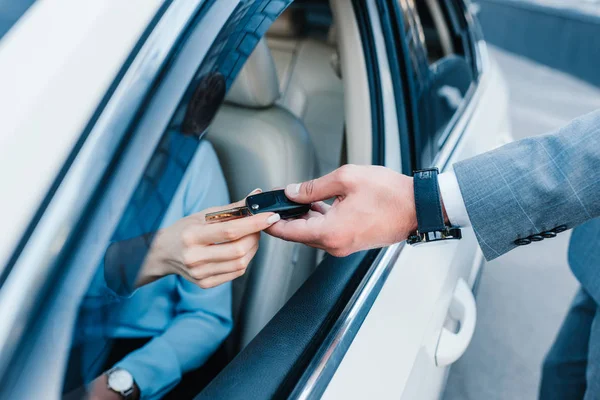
(170, 325)
(441, 77)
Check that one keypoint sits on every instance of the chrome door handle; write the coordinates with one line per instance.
(451, 346)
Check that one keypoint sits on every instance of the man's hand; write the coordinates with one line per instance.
(374, 207)
(205, 254)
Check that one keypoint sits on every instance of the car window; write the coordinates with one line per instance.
(171, 324)
(10, 12)
(441, 69)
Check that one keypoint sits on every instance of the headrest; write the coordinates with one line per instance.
(285, 26)
(257, 85)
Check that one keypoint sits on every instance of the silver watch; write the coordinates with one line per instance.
(120, 381)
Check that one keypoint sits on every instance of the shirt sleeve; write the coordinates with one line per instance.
(114, 279)
(203, 321)
(453, 200)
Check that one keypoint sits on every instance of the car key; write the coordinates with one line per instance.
(274, 201)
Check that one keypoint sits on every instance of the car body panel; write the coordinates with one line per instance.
(57, 68)
(393, 353)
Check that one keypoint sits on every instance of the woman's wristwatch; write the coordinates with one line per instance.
(430, 217)
(120, 381)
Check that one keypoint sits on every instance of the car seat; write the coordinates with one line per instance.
(261, 144)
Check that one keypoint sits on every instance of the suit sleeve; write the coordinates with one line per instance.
(203, 320)
(534, 185)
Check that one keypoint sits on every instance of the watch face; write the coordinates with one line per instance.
(120, 380)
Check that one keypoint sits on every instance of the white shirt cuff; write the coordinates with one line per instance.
(453, 200)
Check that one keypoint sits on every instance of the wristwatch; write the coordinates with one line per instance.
(428, 203)
(120, 381)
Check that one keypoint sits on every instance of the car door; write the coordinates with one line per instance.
(387, 323)
(425, 315)
(113, 168)
(368, 325)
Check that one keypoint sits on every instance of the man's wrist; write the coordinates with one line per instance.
(431, 216)
(444, 213)
(413, 223)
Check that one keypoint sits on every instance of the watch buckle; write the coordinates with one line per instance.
(447, 233)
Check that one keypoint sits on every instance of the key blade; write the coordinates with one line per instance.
(227, 215)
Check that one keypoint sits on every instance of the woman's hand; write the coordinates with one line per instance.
(206, 254)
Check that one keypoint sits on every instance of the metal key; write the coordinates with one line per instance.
(274, 201)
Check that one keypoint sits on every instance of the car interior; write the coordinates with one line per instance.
(288, 118)
(282, 121)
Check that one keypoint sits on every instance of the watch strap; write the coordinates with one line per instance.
(428, 202)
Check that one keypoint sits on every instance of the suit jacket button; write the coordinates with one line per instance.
(536, 238)
(522, 241)
(548, 234)
(560, 228)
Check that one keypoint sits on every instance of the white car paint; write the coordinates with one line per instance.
(56, 64)
(393, 355)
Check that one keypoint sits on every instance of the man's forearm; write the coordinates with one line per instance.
(533, 188)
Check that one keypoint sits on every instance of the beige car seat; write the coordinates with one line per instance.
(262, 145)
(310, 84)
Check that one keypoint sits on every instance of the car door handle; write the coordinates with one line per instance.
(451, 346)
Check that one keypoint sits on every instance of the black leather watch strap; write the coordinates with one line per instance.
(427, 201)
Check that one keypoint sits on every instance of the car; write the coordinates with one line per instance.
(284, 91)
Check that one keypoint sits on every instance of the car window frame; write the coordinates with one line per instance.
(459, 17)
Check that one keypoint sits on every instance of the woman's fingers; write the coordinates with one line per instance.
(216, 280)
(214, 269)
(219, 279)
(229, 231)
(199, 255)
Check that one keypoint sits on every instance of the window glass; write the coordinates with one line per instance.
(10, 12)
(170, 326)
(441, 70)
(414, 37)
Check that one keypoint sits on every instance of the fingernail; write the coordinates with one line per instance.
(293, 189)
(273, 218)
(257, 190)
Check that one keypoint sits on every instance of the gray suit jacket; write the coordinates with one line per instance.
(536, 185)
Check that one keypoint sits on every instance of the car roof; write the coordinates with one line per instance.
(56, 64)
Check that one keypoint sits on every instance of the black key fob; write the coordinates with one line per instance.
(277, 202)
(274, 201)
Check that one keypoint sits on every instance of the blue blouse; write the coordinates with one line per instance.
(187, 323)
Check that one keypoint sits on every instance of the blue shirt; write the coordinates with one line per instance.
(186, 323)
